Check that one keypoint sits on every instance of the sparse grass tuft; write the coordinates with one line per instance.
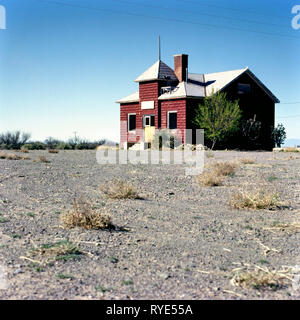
(103, 289)
(261, 278)
(272, 178)
(247, 161)
(118, 189)
(64, 276)
(287, 227)
(217, 173)
(53, 151)
(44, 159)
(12, 156)
(84, 215)
(60, 250)
(210, 179)
(224, 168)
(255, 199)
(24, 149)
(127, 282)
(3, 220)
(209, 154)
(291, 149)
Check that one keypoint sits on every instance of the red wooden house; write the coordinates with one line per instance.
(167, 98)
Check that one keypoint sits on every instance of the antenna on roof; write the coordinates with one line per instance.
(159, 47)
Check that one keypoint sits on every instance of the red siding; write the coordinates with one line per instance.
(124, 110)
(148, 92)
(174, 105)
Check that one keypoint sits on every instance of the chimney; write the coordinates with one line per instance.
(181, 66)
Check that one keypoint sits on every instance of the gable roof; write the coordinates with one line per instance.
(219, 80)
(203, 85)
(158, 71)
(198, 85)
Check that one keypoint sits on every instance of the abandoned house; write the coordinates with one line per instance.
(167, 98)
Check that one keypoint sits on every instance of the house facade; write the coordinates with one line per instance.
(167, 99)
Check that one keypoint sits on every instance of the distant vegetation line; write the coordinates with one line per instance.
(17, 140)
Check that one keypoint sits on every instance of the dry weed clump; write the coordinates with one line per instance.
(210, 179)
(53, 151)
(118, 189)
(209, 154)
(12, 156)
(255, 199)
(84, 215)
(44, 159)
(224, 168)
(261, 278)
(24, 149)
(217, 173)
(247, 161)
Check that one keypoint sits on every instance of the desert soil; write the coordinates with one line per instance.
(182, 241)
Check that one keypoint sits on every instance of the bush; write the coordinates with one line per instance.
(118, 189)
(85, 216)
(255, 199)
(52, 143)
(224, 168)
(64, 146)
(279, 135)
(210, 179)
(35, 146)
(13, 140)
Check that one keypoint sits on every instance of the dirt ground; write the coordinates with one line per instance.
(181, 241)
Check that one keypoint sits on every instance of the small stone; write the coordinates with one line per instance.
(164, 276)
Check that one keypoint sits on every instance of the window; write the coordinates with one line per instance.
(149, 121)
(131, 121)
(243, 88)
(152, 121)
(172, 120)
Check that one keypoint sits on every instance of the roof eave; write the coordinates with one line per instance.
(129, 101)
(181, 97)
(270, 94)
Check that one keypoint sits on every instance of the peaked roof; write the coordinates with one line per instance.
(203, 85)
(219, 80)
(158, 71)
(197, 86)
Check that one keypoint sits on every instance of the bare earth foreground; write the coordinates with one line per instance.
(182, 241)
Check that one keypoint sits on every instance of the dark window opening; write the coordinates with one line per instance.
(147, 121)
(131, 122)
(243, 88)
(152, 121)
(172, 120)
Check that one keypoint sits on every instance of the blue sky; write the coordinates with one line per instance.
(64, 63)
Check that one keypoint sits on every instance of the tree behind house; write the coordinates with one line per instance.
(279, 135)
(218, 117)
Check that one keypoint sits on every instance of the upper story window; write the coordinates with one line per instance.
(131, 122)
(172, 120)
(243, 88)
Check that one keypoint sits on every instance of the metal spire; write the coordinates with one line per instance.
(159, 47)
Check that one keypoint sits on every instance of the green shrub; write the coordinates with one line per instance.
(37, 145)
(13, 140)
